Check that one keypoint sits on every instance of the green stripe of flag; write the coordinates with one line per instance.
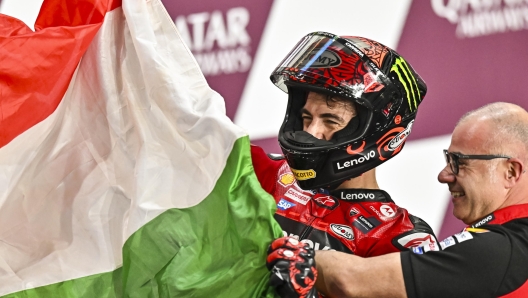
(214, 249)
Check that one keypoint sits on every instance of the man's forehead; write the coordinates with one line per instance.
(324, 96)
(473, 135)
(328, 101)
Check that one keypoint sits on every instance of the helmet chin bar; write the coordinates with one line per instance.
(304, 139)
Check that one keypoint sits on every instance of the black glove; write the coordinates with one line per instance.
(292, 267)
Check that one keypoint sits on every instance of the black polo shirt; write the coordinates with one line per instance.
(488, 259)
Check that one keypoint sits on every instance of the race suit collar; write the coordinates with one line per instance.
(362, 195)
(504, 215)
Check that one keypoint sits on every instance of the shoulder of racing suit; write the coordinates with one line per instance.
(397, 229)
(421, 234)
(266, 168)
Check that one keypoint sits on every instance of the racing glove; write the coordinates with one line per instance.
(292, 267)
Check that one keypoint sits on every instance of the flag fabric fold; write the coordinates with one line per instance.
(120, 174)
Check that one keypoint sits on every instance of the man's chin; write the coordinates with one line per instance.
(461, 215)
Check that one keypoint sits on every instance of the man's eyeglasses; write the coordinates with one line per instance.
(453, 159)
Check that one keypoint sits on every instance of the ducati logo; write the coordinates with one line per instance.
(342, 231)
(354, 211)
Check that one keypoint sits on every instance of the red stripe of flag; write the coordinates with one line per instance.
(36, 67)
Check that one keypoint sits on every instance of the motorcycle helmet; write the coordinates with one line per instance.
(384, 87)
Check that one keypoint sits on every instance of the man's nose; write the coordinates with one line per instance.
(316, 129)
(446, 175)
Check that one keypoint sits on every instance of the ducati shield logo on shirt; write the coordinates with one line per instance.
(342, 231)
(353, 211)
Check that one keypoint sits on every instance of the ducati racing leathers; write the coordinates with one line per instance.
(365, 222)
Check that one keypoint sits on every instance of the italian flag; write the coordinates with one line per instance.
(120, 174)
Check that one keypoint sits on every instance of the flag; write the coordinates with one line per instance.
(120, 174)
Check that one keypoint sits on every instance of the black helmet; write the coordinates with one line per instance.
(385, 88)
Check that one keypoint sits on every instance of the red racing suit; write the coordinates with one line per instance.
(365, 222)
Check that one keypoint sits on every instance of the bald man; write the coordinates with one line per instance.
(486, 175)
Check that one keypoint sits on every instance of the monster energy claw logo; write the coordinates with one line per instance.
(401, 68)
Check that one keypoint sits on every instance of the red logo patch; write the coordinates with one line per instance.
(325, 201)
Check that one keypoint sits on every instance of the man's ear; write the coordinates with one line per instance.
(515, 170)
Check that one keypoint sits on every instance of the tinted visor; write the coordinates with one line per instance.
(337, 65)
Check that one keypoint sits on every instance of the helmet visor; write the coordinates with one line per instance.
(332, 63)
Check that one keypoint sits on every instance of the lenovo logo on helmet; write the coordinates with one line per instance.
(324, 60)
(344, 164)
(303, 174)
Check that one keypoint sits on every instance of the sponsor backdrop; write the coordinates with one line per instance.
(470, 52)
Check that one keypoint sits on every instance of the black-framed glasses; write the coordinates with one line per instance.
(453, 159)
